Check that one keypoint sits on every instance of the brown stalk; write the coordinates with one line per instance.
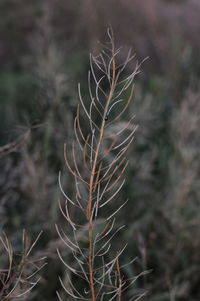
(89, 206)
(98, 181)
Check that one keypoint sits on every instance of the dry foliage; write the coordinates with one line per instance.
(102, 155)
(19, 276)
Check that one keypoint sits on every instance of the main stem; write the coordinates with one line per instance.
(89, 207)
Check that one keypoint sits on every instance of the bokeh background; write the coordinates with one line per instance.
(44, 53)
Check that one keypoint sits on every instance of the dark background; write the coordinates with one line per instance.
(44, 53)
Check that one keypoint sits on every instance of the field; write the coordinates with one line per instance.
(46, 103)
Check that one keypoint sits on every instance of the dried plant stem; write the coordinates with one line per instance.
(99, 181)
(18, 280)
(89, 208)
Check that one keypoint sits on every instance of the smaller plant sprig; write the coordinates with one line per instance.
(20, 276)
(97, 161)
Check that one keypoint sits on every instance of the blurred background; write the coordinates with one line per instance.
(44, 53)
